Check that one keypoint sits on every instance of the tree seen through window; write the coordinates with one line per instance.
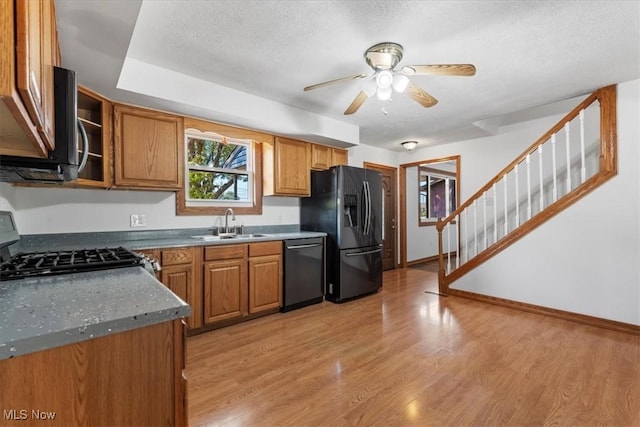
(218, 169)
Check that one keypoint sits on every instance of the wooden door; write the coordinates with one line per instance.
(225, 290)
(390, 214)
(265, 283)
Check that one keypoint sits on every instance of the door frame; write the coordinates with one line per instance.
(394, 172)
(403, 200)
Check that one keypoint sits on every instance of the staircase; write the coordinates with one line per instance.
(573, 158)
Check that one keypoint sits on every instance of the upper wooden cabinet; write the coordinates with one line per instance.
(320, 157)
(28, 52)
(149, 148)
(339, 157)
(286, 168)
(94, 111)
(323, 157)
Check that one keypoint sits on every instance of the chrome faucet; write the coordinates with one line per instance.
(226, 219)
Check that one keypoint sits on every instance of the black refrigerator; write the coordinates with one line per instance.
(346, 203)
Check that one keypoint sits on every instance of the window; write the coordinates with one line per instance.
(437, 196)
(221, 171)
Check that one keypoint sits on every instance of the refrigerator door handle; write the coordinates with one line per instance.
(368, 207)
(365, 204)
(364, 253)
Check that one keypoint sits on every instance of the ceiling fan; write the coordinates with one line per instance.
(383, 58)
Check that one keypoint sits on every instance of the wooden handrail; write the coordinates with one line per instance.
(606, 96)
(607, 169)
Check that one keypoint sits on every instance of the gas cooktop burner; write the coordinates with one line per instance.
(36, 264)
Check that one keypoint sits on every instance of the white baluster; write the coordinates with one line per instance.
(553, 166)
(517, 198)
(475, 227)
(447, 200)
(495, 214)
(458, 225)
(465, 245)
(506, 208)
(583, 169)
(528, 187)
(568, 140)
(448, 248)
(541, 179)
(484, 219)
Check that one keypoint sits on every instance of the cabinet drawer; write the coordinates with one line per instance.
(214, 253)
(265, 248)
(177, 256)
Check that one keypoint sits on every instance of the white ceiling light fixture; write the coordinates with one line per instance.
(409, 145)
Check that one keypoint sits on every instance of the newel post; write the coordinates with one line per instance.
(442, 287)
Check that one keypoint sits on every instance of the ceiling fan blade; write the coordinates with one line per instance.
(362, 96)
(330, 82)
(420, 95)
(439, 70)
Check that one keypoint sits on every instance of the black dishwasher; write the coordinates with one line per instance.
(303, 273)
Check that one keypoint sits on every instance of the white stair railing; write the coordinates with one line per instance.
(490, 212)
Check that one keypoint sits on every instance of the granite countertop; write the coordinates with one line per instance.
(152, 239)
(47, 312)
(41, 313)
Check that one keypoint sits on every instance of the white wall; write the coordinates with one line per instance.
(585, 259)
(367, 153)
(65, 210)
(480, 160)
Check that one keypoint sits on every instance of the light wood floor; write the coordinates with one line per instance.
(406, 357)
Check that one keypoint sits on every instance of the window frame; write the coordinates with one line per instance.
(201, 128)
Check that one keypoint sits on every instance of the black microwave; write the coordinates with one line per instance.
(62, 163)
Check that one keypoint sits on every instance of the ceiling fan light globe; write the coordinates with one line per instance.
(400, 82)
(384, 79)
(384, 93)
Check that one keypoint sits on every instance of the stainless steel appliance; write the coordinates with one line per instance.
(346, 203)
(62, 163)
(303, 273)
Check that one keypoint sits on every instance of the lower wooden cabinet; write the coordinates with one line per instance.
(265, 276)
(225, 290)
(241, 281)
(223, 284)
(133, 378)
(181, 273)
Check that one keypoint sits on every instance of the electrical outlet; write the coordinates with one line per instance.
(137, 220)
(278, 219)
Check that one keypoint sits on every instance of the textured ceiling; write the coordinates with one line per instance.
(527, 54)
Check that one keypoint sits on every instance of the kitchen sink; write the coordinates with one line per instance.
(229, 236)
